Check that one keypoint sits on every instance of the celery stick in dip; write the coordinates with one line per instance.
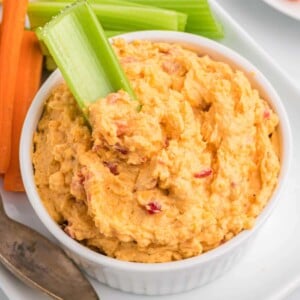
(79, 47)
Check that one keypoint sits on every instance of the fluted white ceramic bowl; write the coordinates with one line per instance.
(171, 277)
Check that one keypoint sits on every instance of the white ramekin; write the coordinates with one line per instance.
(171, 277)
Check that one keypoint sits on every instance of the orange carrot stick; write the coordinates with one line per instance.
(28, 82)
(14, 12)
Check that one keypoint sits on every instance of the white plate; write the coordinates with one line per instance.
(271, 269)
(288, 7)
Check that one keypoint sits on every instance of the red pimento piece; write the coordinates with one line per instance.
(69, 232)
(112, 98)
(170, 67)
(122, 127)
(80, 177)
(88, 197)
(121, 149)
(167, 142)
(203, 173)
(153, 207)
(96, 148)
(85, 173)
(267, 114)
(113, 167)
(161, 162)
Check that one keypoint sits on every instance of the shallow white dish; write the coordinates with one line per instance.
(288, 7)
(257, 272)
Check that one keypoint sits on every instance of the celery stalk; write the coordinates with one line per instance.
(108, 34)
(200, 17)
(125, 17)
(50, 63)
(78, 45)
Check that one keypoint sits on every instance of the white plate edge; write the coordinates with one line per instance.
(283, 9)
(286, 290)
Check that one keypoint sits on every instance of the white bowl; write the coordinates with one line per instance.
(170, 277)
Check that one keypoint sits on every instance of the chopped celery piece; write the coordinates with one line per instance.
(78, 45)
(126, 17)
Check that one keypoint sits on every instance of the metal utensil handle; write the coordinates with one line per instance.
(4, 219)
(2, 211)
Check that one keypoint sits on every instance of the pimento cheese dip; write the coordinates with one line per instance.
(182, 170)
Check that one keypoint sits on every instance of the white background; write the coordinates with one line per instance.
(278, 34)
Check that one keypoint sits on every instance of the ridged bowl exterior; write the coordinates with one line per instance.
(162, 282)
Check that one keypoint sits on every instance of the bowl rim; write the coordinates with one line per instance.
(100, 259)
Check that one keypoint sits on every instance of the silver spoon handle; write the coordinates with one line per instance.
(3, 215)
(40, 263)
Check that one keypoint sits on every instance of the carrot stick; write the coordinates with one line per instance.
(28, 82)
(14, 12)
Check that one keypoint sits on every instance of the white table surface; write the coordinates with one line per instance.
(278, 34)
